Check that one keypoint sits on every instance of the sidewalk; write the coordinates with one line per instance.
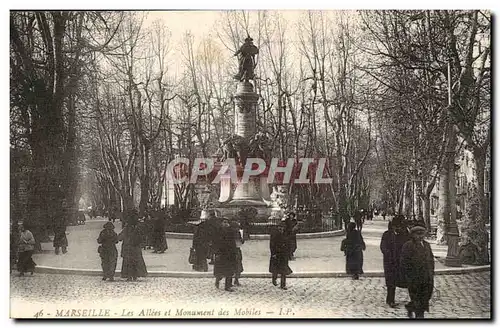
(313, 255)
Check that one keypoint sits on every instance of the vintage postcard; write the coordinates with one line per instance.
(250, 164)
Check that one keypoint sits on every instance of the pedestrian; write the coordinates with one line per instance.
(358, 220)
(345, 218)
(240, 240)
(225, 255)
(60, 239)
(149, 231)
(159, 239)
(107, 250)
(417, 263)
(212, 227)
(278, 263)
(26, 247)
(353, 247)
(391, 245)
(291, 228)
(133, 265)
(201, 247)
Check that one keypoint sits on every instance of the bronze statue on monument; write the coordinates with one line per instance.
(246, 53)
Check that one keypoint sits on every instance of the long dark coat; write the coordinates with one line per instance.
(353, 246)
(417, 264)
(159, 238)
(279, 247)
(108, 252)
(133, 263)
(225, 253)
(201, 247)
(391, 246)
(291, 233)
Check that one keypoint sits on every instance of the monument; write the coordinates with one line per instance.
(246, 142)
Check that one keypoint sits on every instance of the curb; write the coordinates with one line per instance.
(318, 274)
(312, 235)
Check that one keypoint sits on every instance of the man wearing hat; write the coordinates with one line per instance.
(291, 228)
(391, 245)
(279, 247)
(107, 250)
(417, 264)
(246, 54)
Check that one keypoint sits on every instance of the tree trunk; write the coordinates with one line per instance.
(480, 165)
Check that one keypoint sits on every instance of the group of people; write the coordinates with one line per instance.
(153, 230)
(408, 261)
(131, 236)
(219, 240)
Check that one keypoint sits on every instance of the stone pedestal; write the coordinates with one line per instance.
(256, 189)
(245, 115)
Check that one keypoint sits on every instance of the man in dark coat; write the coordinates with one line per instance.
(212, 229)
(225, 256)
(60, 239)
(291, 228)
(417, 263)
(358, 219)
(201, 247)
(159, 238)
(279, 247)
(353, 246)
(391, 245)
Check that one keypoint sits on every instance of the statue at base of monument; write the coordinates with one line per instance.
(246, 58)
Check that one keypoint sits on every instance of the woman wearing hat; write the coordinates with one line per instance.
(133, 265)
(279, 246)
(391, 245)
(26, 247)
(417, 263)
(107, 250)
(353, 246)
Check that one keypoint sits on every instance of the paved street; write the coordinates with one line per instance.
(456, 296)
(312, 254)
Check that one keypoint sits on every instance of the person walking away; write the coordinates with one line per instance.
(417, 263)
(159, 238)
(240, 240)
(353, 247)
(133, 265)
(225, 256)
(201, 247)
(26, 248)
(107, 250)
(291, 229)
(358, 220)
(278, 263)
(391, 245)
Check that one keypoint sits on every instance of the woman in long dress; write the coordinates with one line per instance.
(107, 251)
(26, 246)
(133, 265)
(353, 247)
